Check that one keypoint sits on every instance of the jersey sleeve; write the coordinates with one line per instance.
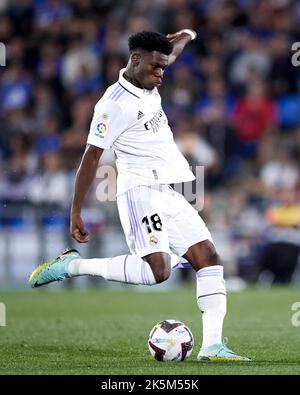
(107, 124)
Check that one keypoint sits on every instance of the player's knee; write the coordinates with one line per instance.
(202, 254)
(210, 255)
(160, 264)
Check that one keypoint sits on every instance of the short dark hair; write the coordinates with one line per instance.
(150, 41)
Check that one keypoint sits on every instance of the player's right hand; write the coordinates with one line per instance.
(77, 229)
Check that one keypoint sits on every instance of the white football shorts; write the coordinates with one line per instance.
(158, 219)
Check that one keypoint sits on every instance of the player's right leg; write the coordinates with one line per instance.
(54, 270)
(149, 262)
(131, 269)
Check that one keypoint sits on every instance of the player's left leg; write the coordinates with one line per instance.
(211, 299)
(190, 238)
(211, 291)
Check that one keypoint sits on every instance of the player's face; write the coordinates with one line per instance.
(151, 69)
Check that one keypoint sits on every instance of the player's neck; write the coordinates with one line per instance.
(130, 78)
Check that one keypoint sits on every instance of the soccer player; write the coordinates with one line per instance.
(156, 220)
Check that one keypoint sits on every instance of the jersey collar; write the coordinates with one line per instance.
(134, 90)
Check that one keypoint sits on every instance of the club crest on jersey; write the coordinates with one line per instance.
(101, 129)
(153, 239)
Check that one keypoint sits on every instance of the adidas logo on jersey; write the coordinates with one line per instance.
(140, 115)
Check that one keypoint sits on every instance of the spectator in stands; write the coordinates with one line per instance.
(254, 117)
(14, 185)
(281, 172)
(50, 185)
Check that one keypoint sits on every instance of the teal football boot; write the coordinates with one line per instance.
(220, 353)
(54, 270)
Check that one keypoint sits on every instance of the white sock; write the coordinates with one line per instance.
(125, 268)
(211, 299)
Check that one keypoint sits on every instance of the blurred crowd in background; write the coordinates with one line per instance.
(232, 99)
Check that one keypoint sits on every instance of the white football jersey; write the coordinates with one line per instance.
(132, 122)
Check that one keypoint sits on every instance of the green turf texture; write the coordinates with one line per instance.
(104, 332)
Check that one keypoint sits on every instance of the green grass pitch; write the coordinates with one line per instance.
(104, 332)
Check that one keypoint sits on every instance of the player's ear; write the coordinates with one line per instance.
(135, 58)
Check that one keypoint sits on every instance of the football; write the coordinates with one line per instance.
(170, 340)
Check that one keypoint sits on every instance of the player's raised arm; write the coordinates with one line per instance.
(179, 40)
(84, 178)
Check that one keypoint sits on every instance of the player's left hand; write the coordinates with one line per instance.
(173, 36)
